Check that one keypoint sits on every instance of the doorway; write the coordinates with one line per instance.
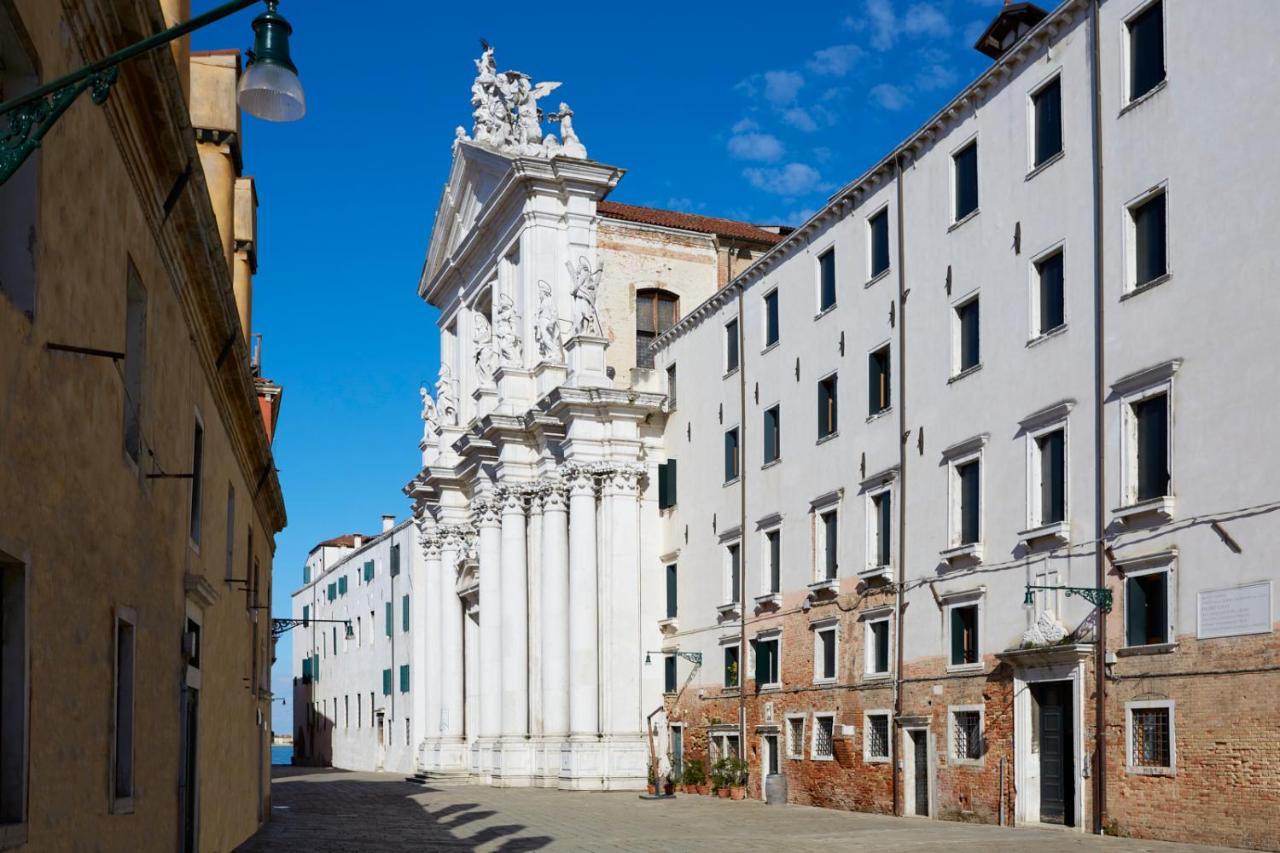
(916, 772)
(190, 773)
(1052, 744)
(382, 740)
(768, 760)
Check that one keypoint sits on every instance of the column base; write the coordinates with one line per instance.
(482, 759)
(546, 761)
(448, 755)
(513, 760)
(610, 763)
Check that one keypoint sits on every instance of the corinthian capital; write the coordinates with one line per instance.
(621, 478)
(431, 542)
(554, 495)
(580, 479)
(511, 499)
(486, 510)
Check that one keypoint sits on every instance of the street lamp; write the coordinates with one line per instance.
(269, 89)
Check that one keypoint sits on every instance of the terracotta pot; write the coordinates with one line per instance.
(668, 788)
(723, 793)
(738, 792)
(652, 789)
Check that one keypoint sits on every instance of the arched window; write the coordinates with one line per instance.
(656, 311)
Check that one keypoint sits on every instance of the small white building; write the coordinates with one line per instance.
(353, 653)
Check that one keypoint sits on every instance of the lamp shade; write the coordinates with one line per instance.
(270, 88)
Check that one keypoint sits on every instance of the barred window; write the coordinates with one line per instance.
(1150, 737)
(966, 741)
(823, 731)
(795, 737)
(877, 736)
(656, 312)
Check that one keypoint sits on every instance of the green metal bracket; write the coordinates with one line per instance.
(280, 627)
(1099, 598)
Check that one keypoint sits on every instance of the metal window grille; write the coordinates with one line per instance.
(1150, 737)
(878, 736)
(967, 741)
(795, 737)
(822, 744)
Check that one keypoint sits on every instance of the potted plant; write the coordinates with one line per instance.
(736, 773)
(653, 779)
(669, 783)
(694, 776)
(720, 778)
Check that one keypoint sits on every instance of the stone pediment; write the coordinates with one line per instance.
(474, 178)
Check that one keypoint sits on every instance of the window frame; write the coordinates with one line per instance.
(124, 804)
(833, 408)
(886, 404)
(813, 736)
(731, 591)
(1170, 706)
(1051, 79)
(1131, 284)
(873, 538)
(958, 601)
(867, 756)
(822, 556)
(1035, 295)
(827, 250)
(195, 508)
(1130, 442)
(773, 529)
(957, 219)
(768, 635)
(15, 575)
(736, 432)
(770, 302)
(874, 275)
(952, 758)
(731, 352)
(672, 379)
(870, 618)
(958, 368)
(656, 295)
(725, 646)
(670, 673)
(795, 746)
(1126, 66)
(136, 293)
(776, 411)
(955, 497)
(818, 628)
(1165, 563)
(1035, 477)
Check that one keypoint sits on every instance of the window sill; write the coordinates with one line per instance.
(971, 551)
(669, 625)
(965, 667)
(1046, 336)
(876, 676)
(875, 759)
(769, 348)
(13, 835)
(884, 273)
(771, 463)
(732, 482)
(1161, 508)
(1037, 169)
(1144, 97)
(880, 414)
(968, 371)
(1150, 771)
(873, 573)
(730, 372)
(825, 438)
(1153, 649)
(728, 608)
(830, 585)
(769, 599)
(824, 682)
(1139, 289)
(1058, 533)
(730, 691)
(822, 758)
(825, 311)
(122, 806)
(771, 687)
(965, 762)
(968, 217)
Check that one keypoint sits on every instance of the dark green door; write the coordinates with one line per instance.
(1057, 793)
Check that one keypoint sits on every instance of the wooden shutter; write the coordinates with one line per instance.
(885, 512)
(731, 345)
(404, 602)
(969, 497)
(775, 561)
(970, 344)
(1153, 447)
(829, 538)
(879, 243)
(1157, 588)
(880, 632)
(966, 171)
(1149, 232)
(306, 614)
(672, 576)
(1135, 607)
(771, 318)
(1053, 494)
(957, 636)
(386, 684)
(829, 654)
(669, 674)
(1052, 314)
(1048, 103)
(390, 621)
(827, 268)
(395, 560)
(404, 678)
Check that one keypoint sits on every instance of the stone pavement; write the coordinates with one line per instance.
(318, 810)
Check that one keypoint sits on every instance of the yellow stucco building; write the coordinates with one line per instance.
(139, 500)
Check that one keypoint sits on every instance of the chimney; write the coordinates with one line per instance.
(388, 522)
(1013, 22)
(356, 540)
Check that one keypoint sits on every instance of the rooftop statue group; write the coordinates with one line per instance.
(507, 118)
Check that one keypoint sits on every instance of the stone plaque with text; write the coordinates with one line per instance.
(1235, 611)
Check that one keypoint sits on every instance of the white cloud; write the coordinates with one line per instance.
(935, 76)
(926, 19)
(889, 96)
(822, 154)
(793, 179)
(745, 124)
(781, 87)
(800, 119)
(755, 146)
(883, 24)
(886, 26)
(836, 61)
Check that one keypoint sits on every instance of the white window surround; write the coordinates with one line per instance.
(1164, 562)
(874, 487)
(867, 757)
(726, 644)
(818, 507)
(795, 745)
(956, 455)
(952, 600)
(1134, 388)
(724, 347)
(772, 524)
(870, 248)
(1033, 291)
(869, 618)
(765, 636)
(726, 591)
(1035, 427)
(887, 345)
(1045, 82)
(818, 628)
(971, 296)
(951, 183)
(1126, 57)
(813, 740)
(952, 710)
(817, 252)
(764, 318)
(1130, 767)
(1131, 285)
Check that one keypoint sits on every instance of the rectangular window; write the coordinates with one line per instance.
(14, 691)
(731, 460)
(772, 434)
(197, 485)
(1151, 428)
(1151, 736)
(878, 394)
(404, 611)
(229, 570)
(964, 634)
(878, 233)
(773, 544)
(766, 652)
(1051, 447)
(667, 484)
(395, 559)
(826, 280)
(669, 674)
(795, 737)
(731, 346)
(135, 356)
(881, 529)
(1150, 246)
(828, 413)
(1050, 295)
(388, 623)
(404, 678)
(123, 729)
(1047, 105)
(368, 571)
(824, 729)
(968, 341)
(333, 591)
(1146, 51)
(672, 588)
(965, 167)
(671, 388)
(342, 585)
(966, 735)
(877, 744)
(771, 318)
(734, 578)
(386, 688)
(824, 654)
(877, 639)
(306, 615)
(969, 475)
(731, 666)
(1146, 609)
(830, 529)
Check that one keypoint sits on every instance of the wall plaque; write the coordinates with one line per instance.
(1235, 611)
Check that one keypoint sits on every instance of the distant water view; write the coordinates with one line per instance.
(281, 753)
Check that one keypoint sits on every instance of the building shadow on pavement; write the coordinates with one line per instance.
(322, 809)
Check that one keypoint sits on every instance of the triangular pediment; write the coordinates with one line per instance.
(474, 177)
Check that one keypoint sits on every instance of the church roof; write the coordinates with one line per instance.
(731, 228)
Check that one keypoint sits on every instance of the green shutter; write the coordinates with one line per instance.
(389, 620)
(386, 682)
(957, 637)
(315, 667)
(368, 571)
(306, 614)
(395, 560)
(880, 630)
(306, 573)
(405, 616)
(404, 678)
(342, 585)
(333, 591)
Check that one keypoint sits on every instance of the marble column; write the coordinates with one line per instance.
(515, 625)
(621, 573)
(425, 645)
(450, 617)
(584, 664)
(555, 611)
(487, 518)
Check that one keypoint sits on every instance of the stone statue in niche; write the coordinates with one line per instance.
(446, 400)
(486, 353)
(547, 329)
(570, 145)
(586, 286)
(430, 417)
(506, 116)
(510, 350)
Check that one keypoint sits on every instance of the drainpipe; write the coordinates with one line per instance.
(902, 489)
(1099, 433)
(742, 532)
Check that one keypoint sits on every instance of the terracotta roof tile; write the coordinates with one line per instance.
(688, 222)
(347, 540)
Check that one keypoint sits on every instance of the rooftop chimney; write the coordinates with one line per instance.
(1013, 22)
(388, 522)
(356, 540)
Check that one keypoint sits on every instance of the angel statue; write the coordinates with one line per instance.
(446, 405)
(504, 330)
(570, 145)
(430, 417)
(486, 355)
(586, 283)
(547, 329)
(523, 94)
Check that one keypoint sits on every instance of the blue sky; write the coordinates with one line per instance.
(747, 110)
